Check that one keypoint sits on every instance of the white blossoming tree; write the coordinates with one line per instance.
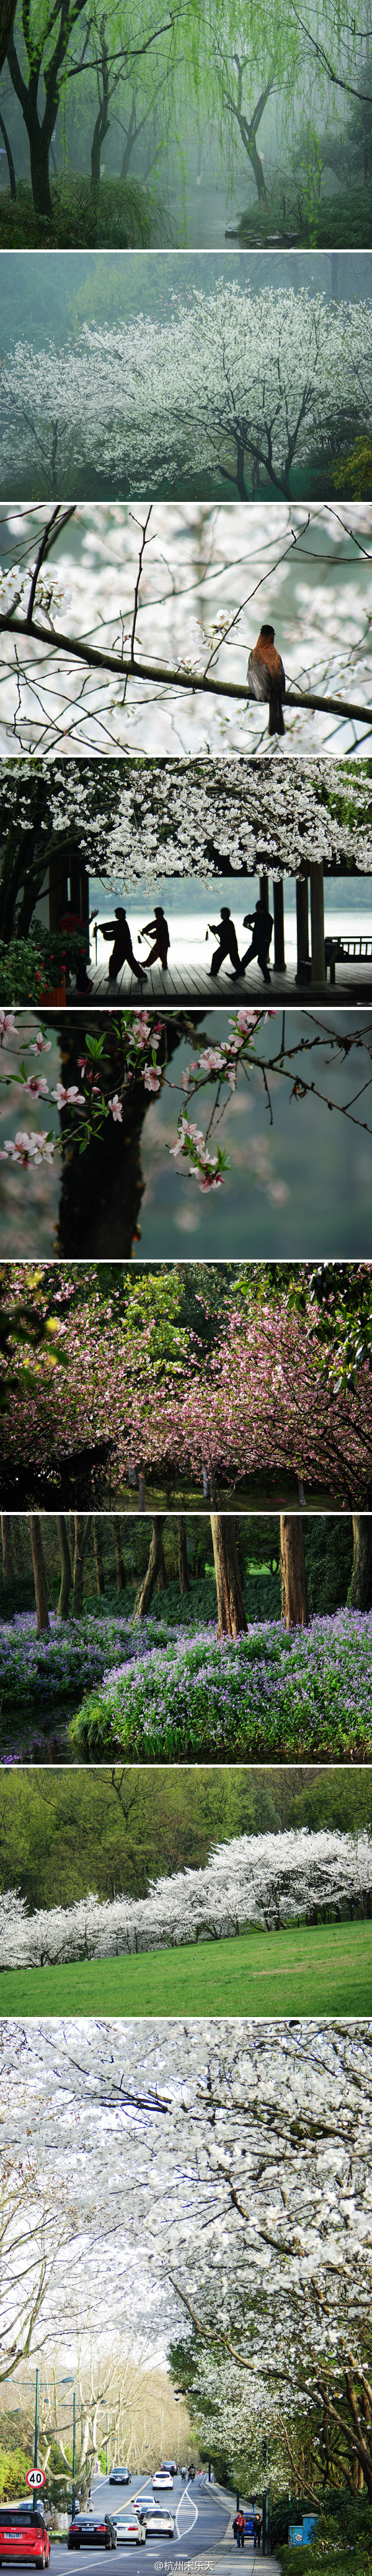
(220, 2176)
(238, 381)
(263, 1880)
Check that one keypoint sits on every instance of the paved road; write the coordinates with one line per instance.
(201, 2525)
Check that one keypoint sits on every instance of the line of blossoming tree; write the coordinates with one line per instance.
(101, 1379)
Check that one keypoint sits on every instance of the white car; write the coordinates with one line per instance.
(128, 2527)
(162, 2478)
(157, 2519)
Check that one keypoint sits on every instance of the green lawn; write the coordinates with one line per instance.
(304, 1970)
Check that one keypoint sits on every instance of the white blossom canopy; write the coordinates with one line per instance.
(138, 821)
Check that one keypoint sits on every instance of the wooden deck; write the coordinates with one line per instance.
(353, 983)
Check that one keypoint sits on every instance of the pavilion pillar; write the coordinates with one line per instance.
(318, 972)
(302, 917)
(279, 949)
(58, 885)
(264, 891)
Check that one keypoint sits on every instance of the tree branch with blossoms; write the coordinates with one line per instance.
(140, 1035)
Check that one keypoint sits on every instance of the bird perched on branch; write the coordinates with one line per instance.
(266, 677)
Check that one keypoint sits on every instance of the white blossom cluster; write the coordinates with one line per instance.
(262, 1880)
(141, 820)
(149, 398)
(224, 2163)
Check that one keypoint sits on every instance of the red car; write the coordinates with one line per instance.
(23, 2534)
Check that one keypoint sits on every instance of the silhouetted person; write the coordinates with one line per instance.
(122, 951)
(157, 929)
(260, 922)
(71, 922)
(224, 931)
(266, 677)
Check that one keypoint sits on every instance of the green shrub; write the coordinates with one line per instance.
(13, 2470)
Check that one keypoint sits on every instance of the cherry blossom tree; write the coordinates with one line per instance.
(219, 2173)
(268, 1880)
(141, 401)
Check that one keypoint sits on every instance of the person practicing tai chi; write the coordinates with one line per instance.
(224, 931)
(260, 922)
(266, 677)
(157, 929)
(122, 951)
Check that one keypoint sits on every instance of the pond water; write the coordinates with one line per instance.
(301, 1188)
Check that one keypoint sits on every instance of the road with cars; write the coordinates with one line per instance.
(201, 2521)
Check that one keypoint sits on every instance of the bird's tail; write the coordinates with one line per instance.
(276, 718)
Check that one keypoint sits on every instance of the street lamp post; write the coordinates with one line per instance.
(34, 2497)
(74, 2459)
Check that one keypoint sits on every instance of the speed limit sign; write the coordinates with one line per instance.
(35, 2478)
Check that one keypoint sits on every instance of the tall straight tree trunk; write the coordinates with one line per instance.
(230, 1605)
(81, 1535)
(295, 1606)
(360, 1588)
(42, 1613)
(7, 1548)
(153, 1568)
(182, 1556)
(66, 1568)
(120, 1576)
(97, 1544)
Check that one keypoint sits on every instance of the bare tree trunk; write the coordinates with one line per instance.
(9, 155)
(182, 1556)
(6, 1537)
(97, 1544)
(230, 1605)
(42, 1613)
(295, 1606)
(66, 1569)
(360, 1589)
(120, 1576)
(81, 1536)
(153, 1568)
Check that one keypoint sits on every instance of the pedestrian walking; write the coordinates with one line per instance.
(224, 931)
(260, 922)
(257, 2530)
(239, 2529)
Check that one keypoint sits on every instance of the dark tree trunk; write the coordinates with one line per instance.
(156, 1551)
(39, 168)
(42, 1613)
(182, 1556)
(360, 1589)
(66, 1570)
(82, 1529)
(120, 1576)
(295, 1606)
(97, 1544)
(162, 1575)
(7, 1548)
(230, 1605)
(7, 16)
(9, 155)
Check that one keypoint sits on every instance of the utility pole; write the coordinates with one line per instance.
(34, 2498)
(74, 2458)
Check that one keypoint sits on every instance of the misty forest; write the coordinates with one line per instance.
(191, 123)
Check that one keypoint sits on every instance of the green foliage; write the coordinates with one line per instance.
(328, 1548)
(13, 2469)
(127, 216)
